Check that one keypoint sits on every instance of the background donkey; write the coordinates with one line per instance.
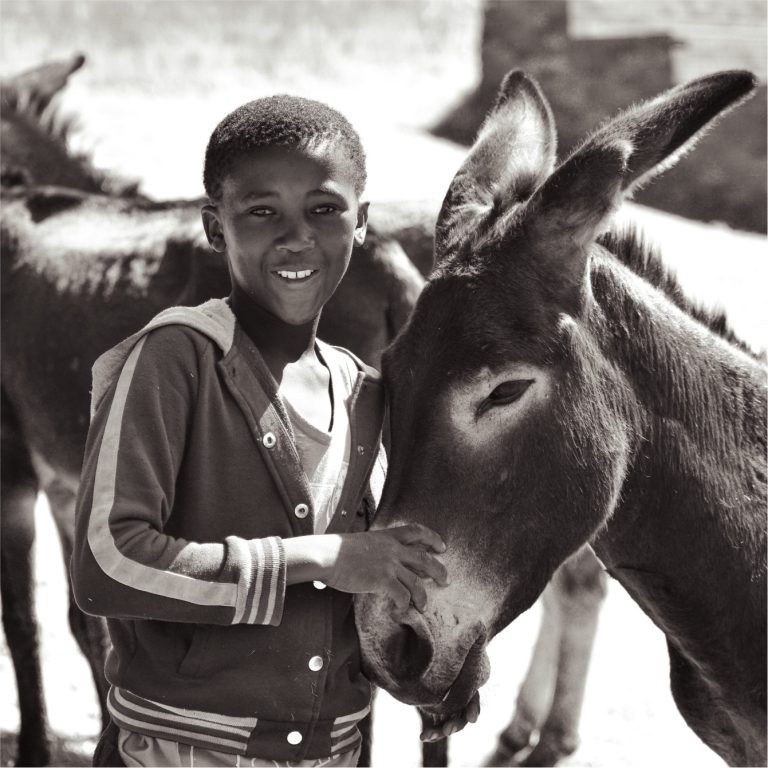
(79, 272)
(554, 387)
(82, 270)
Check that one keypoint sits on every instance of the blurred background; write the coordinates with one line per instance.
(161, 74)
(416, 78)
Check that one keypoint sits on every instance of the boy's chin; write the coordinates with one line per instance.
(297, 319)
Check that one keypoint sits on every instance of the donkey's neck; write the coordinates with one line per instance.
(687, 538)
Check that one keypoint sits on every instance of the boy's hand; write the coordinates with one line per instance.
(390, 562)
(469, 715)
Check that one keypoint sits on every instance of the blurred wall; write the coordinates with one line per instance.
(712, 34)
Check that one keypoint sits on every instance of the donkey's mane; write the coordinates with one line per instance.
(46, 114)
(631, 248)
(58, 127)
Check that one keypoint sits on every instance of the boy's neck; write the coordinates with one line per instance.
(279, 343)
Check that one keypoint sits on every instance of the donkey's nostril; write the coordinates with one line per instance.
(409, 653)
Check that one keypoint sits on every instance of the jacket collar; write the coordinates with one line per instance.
(214, 318)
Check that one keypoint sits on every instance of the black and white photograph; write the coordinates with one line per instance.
(384, 383)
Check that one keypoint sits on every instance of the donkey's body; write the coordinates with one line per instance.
(687, 538)
(571, 395)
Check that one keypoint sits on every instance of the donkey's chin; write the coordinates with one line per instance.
(436, 690)
(473, 674)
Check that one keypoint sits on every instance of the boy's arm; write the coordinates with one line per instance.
(124, 565)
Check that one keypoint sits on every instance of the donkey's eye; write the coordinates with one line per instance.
(507, 392)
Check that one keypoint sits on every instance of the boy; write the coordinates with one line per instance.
(232, 467)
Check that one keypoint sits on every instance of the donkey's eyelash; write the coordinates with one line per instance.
(510, 390)
(504, 394)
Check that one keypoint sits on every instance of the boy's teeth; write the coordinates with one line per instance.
(294, 275)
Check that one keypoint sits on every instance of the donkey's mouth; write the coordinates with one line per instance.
(473, 674)
(412, 673)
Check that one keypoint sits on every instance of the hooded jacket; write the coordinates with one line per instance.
(190, 482)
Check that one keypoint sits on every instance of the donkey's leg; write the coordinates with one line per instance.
(434, 754)
(90, 632)
(536, 693)
(580, 585)
(18, 492)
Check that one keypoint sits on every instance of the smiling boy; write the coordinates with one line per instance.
(233, 465)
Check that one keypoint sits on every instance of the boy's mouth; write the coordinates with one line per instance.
(297, 276)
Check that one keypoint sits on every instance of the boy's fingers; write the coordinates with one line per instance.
(469, 715)
(448, 728)
(426, 565)
(417, 593)
(399, 594)
(431, 734)
(415, 533)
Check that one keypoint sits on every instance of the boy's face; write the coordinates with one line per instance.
(287, 220)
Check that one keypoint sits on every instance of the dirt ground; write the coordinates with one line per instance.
(155, 84)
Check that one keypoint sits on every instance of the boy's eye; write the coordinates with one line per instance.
(325, 208)
(261, 210)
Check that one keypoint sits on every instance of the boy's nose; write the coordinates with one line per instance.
(296, 238)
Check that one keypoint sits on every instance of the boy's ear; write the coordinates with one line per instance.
(213, 229)
(362, 223)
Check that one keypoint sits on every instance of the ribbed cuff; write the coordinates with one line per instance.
(261, 568)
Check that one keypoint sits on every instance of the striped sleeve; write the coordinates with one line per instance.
(124, 565)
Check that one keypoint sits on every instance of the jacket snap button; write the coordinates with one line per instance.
(319, 585)
(294, 737)
(302, 510)
(343, 512)
(269, 440)
(361, 449)
(315, 663)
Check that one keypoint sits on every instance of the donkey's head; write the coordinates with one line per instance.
(511, 431)
(35, 134)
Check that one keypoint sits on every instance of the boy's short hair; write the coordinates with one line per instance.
(278, 121)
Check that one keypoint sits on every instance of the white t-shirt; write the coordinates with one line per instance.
(325, 453)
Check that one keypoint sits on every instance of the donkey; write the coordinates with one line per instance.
(553, 387)
(82, 270)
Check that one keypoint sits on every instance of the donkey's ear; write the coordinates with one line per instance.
(568, 212)
(513, 153)
(663, 129)
(572, 207)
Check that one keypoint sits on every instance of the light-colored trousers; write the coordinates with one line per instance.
(139, 750)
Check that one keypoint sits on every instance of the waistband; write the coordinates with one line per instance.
(248, 736)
